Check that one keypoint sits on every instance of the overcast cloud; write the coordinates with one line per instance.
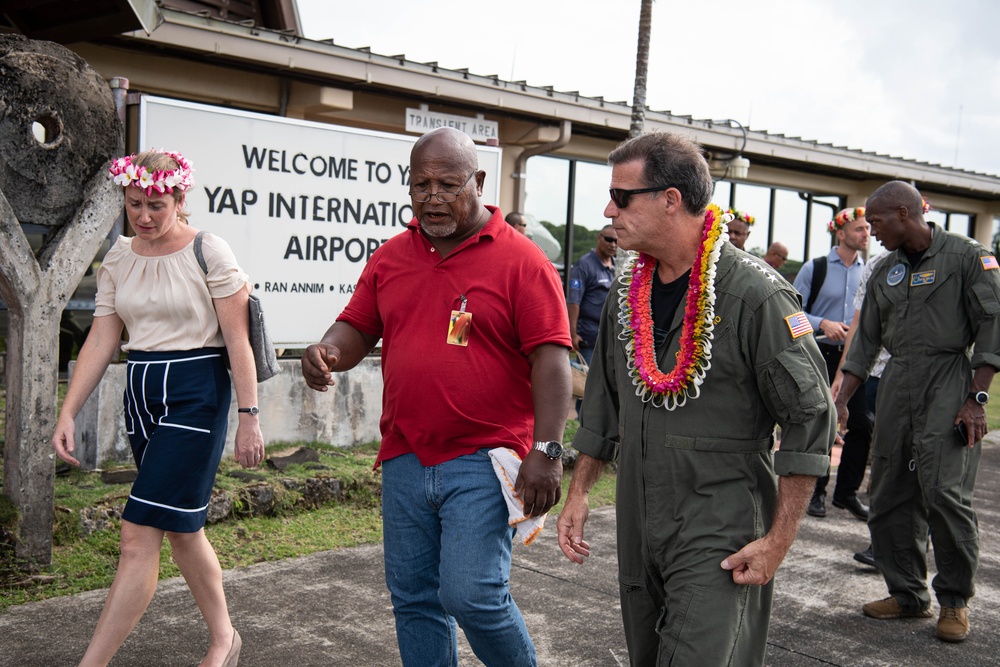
(918, 79)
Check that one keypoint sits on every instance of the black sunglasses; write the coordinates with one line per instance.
(620, 197)
(610, 239)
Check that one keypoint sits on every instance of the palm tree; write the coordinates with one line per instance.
(641, 67)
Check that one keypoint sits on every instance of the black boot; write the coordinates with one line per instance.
(817, 506)
(867, 556)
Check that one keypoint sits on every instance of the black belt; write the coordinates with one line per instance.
(830, 348)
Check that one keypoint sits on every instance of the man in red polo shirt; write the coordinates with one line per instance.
(474, 356)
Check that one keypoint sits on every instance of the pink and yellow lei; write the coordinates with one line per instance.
(673, 389)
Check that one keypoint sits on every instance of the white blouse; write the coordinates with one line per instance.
(166, 301)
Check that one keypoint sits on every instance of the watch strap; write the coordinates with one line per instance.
(975, 396)
(543, 446)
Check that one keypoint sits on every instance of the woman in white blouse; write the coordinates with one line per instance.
(182, 324)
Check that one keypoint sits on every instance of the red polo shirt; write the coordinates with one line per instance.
(441, 401)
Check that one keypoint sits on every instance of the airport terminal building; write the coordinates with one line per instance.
(237, 78)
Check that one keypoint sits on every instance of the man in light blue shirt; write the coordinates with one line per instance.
(828, 285)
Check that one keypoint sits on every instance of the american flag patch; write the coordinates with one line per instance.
(798, 324)
(989, 262)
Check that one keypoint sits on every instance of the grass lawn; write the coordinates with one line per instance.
(85, 562)
(993, 413)
(81, 563)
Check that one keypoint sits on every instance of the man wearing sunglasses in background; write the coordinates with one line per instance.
(776, 255)
(518, 222)
(690, 375)
(474, 339)
(589, 284)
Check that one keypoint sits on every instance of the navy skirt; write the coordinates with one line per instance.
(176, 416)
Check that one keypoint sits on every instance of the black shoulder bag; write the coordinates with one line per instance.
(264, 357)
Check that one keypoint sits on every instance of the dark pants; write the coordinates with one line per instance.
(854, 455)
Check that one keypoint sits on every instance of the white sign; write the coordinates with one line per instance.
(303, 205)
(423, 121)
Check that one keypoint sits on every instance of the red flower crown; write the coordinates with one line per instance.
(844, 217)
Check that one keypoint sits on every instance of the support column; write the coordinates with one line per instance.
(36, 291)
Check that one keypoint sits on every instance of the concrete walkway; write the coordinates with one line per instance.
(332, 608)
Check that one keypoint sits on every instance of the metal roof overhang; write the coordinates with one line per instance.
(67, 21)
(214, 40)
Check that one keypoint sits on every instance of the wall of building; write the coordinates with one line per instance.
(347, 414)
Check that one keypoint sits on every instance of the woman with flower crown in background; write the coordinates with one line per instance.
(182, 322)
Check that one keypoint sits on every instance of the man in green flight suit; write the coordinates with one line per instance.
(703, 522)
(934, 304)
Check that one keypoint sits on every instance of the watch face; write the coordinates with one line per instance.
(982, 397)
(554, 450)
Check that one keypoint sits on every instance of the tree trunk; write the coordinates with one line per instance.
(35, 298)
(641, 68)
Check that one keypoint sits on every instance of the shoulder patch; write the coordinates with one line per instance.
(989, 262)
(798, 324)
(575, 283)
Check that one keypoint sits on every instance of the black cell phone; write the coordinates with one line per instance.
(962, 432)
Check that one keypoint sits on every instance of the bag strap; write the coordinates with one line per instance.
(198, 252)
(819, 275)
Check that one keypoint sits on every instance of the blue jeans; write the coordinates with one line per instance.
(447, 551)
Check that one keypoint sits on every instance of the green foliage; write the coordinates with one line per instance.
(603, 492)
(8, 513)
(790, 269)
(993, 415)
(584, 240)
(572, 425)
(82, 563)
(8, 532)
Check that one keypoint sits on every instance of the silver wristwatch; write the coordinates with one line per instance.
(551, 448)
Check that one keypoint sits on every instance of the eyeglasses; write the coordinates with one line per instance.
(444, 197)
(620, 197)
(610, 239)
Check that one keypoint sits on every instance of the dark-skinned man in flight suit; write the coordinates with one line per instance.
(934, 304)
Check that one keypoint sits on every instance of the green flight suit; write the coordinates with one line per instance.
(928, 317)
(698, 483)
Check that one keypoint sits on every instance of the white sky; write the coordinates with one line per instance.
(917, 79)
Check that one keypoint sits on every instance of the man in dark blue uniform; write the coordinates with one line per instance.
(589, 283)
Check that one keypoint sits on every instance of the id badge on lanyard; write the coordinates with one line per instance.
(460, 325)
